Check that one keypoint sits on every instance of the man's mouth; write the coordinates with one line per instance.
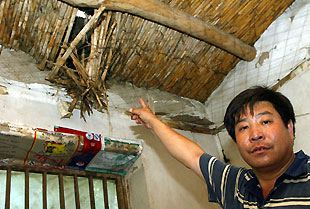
(259, 149)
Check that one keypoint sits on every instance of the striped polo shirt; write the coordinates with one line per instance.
(235, 188)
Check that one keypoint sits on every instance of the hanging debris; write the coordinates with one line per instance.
(81, 80)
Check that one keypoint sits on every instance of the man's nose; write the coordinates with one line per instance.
(256, 133)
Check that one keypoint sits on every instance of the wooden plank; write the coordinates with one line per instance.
(30, 31)
(9, 23)
(68, 31)
(58, 35)
(54, 30)
(15, 21)
(23, 24)
(4, 21)
(19, 26)
(47, 21)
(1, 14)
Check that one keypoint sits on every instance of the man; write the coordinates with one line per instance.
(261, 122)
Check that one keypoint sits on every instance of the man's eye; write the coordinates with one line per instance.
(243, 128)
(266, 121)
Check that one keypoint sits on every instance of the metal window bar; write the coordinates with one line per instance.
(8, 189)
(44, 189)
(27, 189)
(76, 192)
(61, 191)
(91, 192)
(105, 193)
(119, 181)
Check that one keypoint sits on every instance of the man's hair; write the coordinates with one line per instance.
(248, 98)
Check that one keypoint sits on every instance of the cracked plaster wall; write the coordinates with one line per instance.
(155, 176)
(280, 49)
(283, 48)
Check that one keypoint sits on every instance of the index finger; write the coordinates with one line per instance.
(143, 104)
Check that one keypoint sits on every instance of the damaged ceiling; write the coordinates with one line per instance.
(181, 47)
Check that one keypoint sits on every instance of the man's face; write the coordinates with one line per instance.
(263, 140)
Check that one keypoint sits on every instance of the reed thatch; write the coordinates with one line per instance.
(125, 47)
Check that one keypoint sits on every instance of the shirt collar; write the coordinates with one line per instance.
(297, 168)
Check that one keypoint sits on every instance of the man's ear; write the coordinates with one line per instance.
(290, 127)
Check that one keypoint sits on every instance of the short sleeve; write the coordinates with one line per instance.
(220, 179)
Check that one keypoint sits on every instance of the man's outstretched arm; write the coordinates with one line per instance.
(180, 147)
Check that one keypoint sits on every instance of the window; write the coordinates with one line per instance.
(54, 188)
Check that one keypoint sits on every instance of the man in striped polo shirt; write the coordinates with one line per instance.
(261, 121)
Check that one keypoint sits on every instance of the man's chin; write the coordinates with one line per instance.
(260, 163)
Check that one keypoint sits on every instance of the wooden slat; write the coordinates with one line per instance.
(91, 192)
(3, 23)
(55, 27)
(8, 188)
(120, 194)
(22, 26)
(15, 18)
(68, 32)
(60, 33)
(31, 25)
(105, 193)
(26, 189)
(76, 192)
(9, 23)
(44, 190)
(1, 17)
(62, 171)
(42, 29)
(61, 191)
(19, 25)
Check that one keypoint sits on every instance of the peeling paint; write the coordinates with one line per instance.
(307, 48)
(4, 127)
(15, 129)
(3, 90)
(296, 71)
(262, 58)
(133, 169)
(63, 108)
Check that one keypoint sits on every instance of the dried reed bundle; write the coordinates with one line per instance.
(84, 81)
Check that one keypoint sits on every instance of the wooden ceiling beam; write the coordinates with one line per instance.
(161, 13)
